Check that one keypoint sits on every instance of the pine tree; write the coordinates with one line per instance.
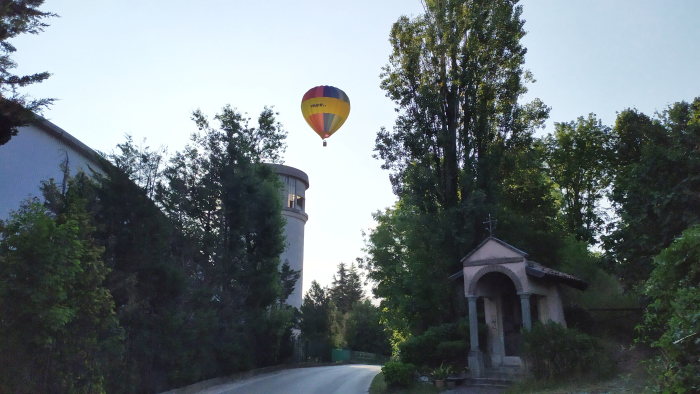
(224, 203)
(16, 110)
(346, 289)
(317, 312)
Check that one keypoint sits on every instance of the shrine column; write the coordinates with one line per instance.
(525, 306)
(476, 358)
(473, 324)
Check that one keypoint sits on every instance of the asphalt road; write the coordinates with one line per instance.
(342, 379)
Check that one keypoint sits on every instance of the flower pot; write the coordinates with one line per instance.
(439, 383)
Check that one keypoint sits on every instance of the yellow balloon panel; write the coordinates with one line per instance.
(325, 109)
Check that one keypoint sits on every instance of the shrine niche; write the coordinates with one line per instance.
(506, 292)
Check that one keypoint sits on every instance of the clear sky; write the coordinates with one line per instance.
(141, 67)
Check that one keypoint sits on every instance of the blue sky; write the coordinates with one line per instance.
(142, 67)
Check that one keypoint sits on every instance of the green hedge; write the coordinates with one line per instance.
(554, 352)
(398, 373)
(447, 343)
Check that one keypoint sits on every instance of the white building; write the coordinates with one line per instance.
(35, 154)
(293, 210)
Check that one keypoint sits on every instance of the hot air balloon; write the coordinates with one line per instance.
(325, 109)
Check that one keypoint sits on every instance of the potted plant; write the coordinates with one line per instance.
(440, 374)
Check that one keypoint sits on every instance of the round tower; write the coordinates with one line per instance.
(293, 196)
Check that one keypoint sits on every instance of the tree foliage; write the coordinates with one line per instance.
(147, 285)
(220, 194)
(346, 289)
(460, 149)
(58, 325)
(364, 330)
(340, 316)
(412, 287)
(656, 189)
(579, 162)
(320, 320)
(17, 109)
(672, 320)
(223, 202)
(140, 163)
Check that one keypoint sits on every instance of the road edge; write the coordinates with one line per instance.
(199, 386)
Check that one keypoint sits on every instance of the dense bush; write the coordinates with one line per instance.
(452, 351)
(672, 319)
(398, 373)
(447, 343)
(553, 352)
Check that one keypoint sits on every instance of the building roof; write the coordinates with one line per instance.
(513, 248)
(69, 140)
(532, 268)
(291, 171)
(457, 275)
(540, 271)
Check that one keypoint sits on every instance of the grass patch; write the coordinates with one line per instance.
(379, 386)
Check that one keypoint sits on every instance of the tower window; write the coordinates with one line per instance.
(291, 192)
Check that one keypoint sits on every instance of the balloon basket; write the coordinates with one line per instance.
(325, 143)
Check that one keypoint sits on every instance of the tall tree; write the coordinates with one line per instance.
(316, 310)
(147, 285)
(346, 288)
(455, 74)
(656, 186)
(320, 321)
(579, 162)
(224, 201)
(17, 109)
(58, 324)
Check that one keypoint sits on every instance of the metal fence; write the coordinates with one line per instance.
(357, 357)
(317, 351)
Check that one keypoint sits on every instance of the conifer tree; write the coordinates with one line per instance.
(16, 109)
(224, 202)
(346, 288)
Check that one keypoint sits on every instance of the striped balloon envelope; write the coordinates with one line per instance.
(325, 109)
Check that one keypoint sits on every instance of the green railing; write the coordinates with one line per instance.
(357, 357)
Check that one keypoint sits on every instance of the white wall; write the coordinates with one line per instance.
(294, 251)
(32, 156)
(294, 228)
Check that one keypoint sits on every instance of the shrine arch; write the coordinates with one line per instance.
(494, 268)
